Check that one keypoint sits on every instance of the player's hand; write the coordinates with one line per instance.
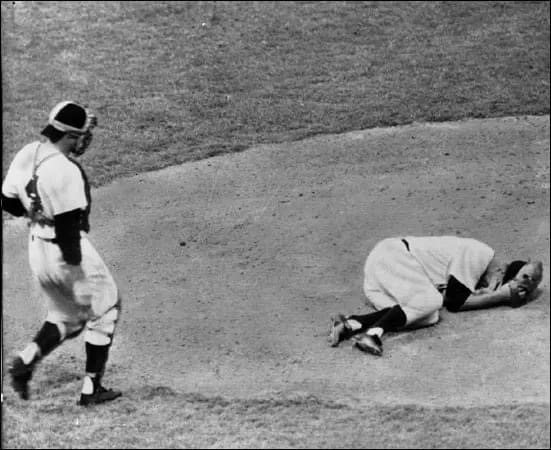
(519, 294)
(71, 272)
(75, 279)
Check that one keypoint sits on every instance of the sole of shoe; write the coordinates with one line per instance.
(22, 391)
(337, 331)
(20, 384)
(367, 348)
(93, 401)
(335, 336)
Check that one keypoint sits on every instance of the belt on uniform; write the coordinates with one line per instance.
(52, 241)
(406, 243)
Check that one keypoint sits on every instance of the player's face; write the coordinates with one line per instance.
(78, 143)
(71, 140)
(530, 275)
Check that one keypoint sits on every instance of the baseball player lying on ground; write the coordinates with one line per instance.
(408, 280)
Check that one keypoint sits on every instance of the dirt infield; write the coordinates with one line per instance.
(230, 267)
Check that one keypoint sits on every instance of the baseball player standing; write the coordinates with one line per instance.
(45, 184)
(408, 280)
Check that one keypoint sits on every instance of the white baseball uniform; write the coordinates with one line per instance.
(414, 271)
(76, 297)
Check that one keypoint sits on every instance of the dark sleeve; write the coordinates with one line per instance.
(67, 231)
(85, 214)
(456, 294)
(13, 206)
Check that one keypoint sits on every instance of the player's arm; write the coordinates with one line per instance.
(486, 298)
(67, 231)
(67, 198)
(13, 206)
(455, 295)
(459, 298)
(11, 203)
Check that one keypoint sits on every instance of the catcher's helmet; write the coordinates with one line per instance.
(66, 117)
(70, 117)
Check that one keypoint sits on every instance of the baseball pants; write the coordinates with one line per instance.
(90, 302)
(392, 276)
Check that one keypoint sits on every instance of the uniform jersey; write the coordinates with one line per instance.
(465, 259)
(61, 185)
(91, 299)
(414, 272)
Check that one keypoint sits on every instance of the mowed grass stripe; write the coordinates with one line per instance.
(178, 81)
(161, 418)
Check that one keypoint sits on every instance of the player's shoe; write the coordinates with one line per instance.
(369, 343)
(339, 330)
(100, 395)
(21, 374)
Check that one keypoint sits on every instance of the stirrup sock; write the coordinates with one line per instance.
(394, 319)
(367, 320)
(47, 338)
(96, 357)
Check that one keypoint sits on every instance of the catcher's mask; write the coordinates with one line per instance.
(85, 138)
(71, 118)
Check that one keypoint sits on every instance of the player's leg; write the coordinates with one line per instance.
(378, 267)
(384, 267)
(101, 289)
(420, 311)
(388, 316)
(62, 322)
(390, 319)
(344, 327)
(23, 365)
(397, 278)
(49, 337)
(362, 322)
(425, 321)
(98, 338)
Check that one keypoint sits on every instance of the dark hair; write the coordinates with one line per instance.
(512, 270)
(53, 134)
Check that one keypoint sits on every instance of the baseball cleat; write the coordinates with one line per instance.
(339, 330)
(369, 344)
(100, 395)
(21, 374)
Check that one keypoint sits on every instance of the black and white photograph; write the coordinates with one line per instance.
(275, 224)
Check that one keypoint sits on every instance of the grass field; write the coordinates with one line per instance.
(177, 81)
(161, 418)
(173, 82)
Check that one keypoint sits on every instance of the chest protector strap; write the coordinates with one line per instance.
(36, 213)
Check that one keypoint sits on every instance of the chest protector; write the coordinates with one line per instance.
(36, 213)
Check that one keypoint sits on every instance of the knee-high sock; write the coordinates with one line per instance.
(96, 358)
(367, 320)
(393, 320)
(387, 318)
(47, 339)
